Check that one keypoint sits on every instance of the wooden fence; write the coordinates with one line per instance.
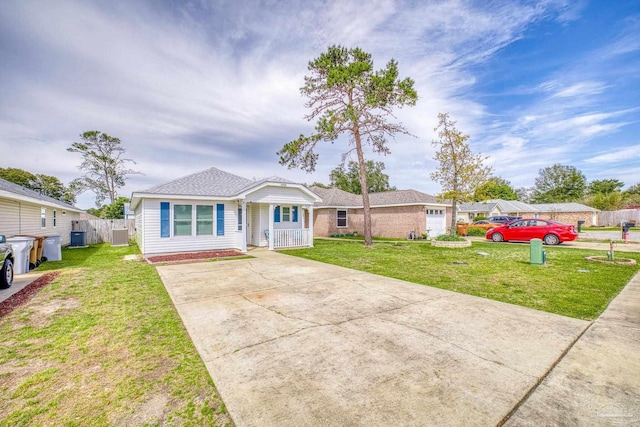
(614, 218)
(99, 230)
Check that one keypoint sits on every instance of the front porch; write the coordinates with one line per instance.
(277, 225)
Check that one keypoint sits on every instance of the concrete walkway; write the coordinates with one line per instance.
(293, 342)
(598, 382)
(19, 282)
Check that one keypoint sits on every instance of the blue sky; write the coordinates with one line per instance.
(190, 85)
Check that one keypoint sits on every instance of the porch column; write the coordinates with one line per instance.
(311, 226)
(245, 228)
(271, 218)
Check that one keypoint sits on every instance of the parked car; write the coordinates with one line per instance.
(484, 224)
(551, 232)
(503, 219)
(6, 259)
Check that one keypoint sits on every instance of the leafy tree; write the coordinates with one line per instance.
(116, 209)
(604, 186)
(460, 171)
(44, 184)
(495, 188)
(559, 183)
(346, 95)
(525, 194)
(18, 176)
(104, 164)
(605, 201)
(634, 189)
(321, 185)
(348, 179)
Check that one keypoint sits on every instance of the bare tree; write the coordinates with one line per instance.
(460, 171)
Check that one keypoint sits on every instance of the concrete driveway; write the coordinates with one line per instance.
(293, 342)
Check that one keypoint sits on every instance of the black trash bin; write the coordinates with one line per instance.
(580, 224)
(625, 228)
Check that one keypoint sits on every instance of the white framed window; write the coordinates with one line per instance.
(182, 220)
(286, 214)
(43, 217)
(341, 218)
(239, 218)
(204, 220)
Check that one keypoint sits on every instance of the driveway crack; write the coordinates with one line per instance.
(281, 313)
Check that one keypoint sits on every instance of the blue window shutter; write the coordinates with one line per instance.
(165, 226)
(295, 214)
(220, 219)
(276, 214)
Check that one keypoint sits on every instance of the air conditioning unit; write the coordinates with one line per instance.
(120, 237)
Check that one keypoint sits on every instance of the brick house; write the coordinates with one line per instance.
(393, 213)
(568, 213)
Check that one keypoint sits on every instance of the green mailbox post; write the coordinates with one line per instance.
(537, 254)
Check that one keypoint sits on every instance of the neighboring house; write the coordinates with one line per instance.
(27, 212)
(569, 213)
(213, 210)
(393, 213)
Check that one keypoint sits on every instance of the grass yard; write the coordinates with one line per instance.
(567, 285)
(102, 345)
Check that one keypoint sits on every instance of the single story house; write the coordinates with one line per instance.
(214, 209)
(569, 213)
(393, 213)
(26, 212)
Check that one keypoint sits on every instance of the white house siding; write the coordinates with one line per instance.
(139, 226)
(154, 244)
(280, 196)
(9, 217)
(17, 217)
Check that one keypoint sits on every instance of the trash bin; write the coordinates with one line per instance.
(580, 224)
(21, 249)
(78, 239)
(625, 230)
(462, 229)
(53, 247)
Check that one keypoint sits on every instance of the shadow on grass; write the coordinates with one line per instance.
(89, 256)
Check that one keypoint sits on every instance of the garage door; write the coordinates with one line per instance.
(436, 222)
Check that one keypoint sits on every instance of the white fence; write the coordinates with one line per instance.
(614, 218)
(298, 237)
(99, 230)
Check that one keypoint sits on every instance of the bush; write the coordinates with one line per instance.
(476, 231)
(479, 217)
(450, 238)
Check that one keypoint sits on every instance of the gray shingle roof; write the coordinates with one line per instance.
(211, 182)
(337, 197)
(10, 187)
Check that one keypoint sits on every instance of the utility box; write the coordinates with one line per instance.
(120, 237)
(78, 239)
(537, 255)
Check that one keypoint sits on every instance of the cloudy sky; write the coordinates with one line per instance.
(187, 85)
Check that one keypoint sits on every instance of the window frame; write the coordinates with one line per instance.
(346, 218)
(204, 220)
(174, 221)
(54, 220)
(43, 217)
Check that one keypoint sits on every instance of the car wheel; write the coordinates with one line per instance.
(551, 239)
(6, 279)
(497, 237)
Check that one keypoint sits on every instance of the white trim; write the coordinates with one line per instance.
(13, 196)
(346, 218)
(301, 187)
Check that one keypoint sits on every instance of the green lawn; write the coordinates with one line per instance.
(566, 285)
(102, 345)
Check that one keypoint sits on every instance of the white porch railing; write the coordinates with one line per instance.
(290, 238)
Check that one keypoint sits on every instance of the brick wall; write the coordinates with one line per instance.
(568, 217)
(395, 221)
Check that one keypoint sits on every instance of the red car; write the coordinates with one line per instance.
(551, 232)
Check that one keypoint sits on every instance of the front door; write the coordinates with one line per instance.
(436, 222)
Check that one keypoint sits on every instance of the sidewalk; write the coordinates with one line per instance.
(597, 383)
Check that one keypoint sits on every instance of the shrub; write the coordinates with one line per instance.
(479, 217)
(450, 238)
(476, 231)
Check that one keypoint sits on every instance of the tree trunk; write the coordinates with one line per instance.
(365, 192)
(454, 213)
